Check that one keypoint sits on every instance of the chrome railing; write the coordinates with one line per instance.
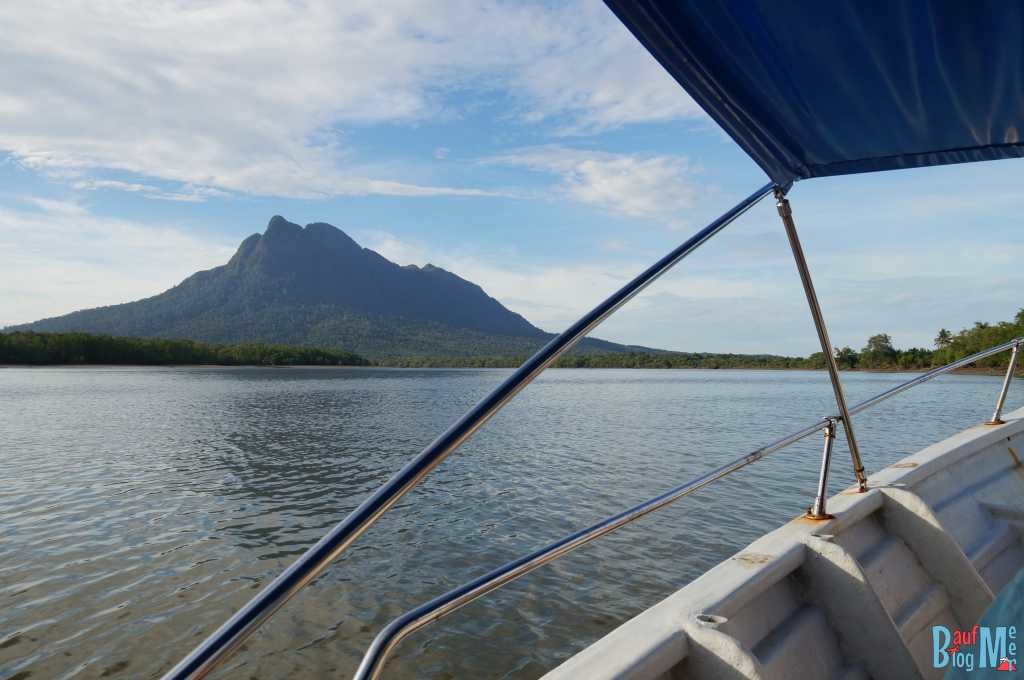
(230, 635)
(375, 657)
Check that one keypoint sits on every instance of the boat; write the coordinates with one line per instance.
(865, 583)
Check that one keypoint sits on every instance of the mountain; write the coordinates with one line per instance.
(316, 286)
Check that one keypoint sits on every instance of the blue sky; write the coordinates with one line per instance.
(534, 148)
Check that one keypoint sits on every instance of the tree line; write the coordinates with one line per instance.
(592, 359)
(29, 347)
(878, 353)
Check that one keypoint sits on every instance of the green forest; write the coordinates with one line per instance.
(28, 347)
(878, 353)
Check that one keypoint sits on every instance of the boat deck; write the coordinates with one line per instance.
(853, 597)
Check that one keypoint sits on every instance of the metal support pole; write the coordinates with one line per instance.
(786, 213)
(996, 417)
(817, 510)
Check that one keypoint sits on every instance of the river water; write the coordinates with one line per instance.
(141, 506)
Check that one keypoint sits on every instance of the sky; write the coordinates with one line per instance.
(533, 148)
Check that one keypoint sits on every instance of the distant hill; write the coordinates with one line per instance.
(315, 286)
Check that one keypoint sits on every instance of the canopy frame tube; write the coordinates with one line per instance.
(786, 213)
(232, 633)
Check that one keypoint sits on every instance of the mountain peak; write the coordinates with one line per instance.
(314, 236)
(279, 225)
(329, 234)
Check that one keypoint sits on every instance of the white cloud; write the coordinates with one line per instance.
(54, 207)
(59, 258)
(595, 72)
(250, 96)
(656, 188)
(189, 194)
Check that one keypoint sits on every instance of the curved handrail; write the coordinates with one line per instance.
(392, 634)
(227, 638)
(385, 641)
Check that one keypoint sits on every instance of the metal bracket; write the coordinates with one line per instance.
(817, 511)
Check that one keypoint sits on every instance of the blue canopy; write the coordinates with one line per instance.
(811, 88)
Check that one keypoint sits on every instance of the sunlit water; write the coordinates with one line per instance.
(141, 506)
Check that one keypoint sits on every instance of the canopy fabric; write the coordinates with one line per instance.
(811, 88)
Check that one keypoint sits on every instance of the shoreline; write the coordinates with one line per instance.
(960, 371)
